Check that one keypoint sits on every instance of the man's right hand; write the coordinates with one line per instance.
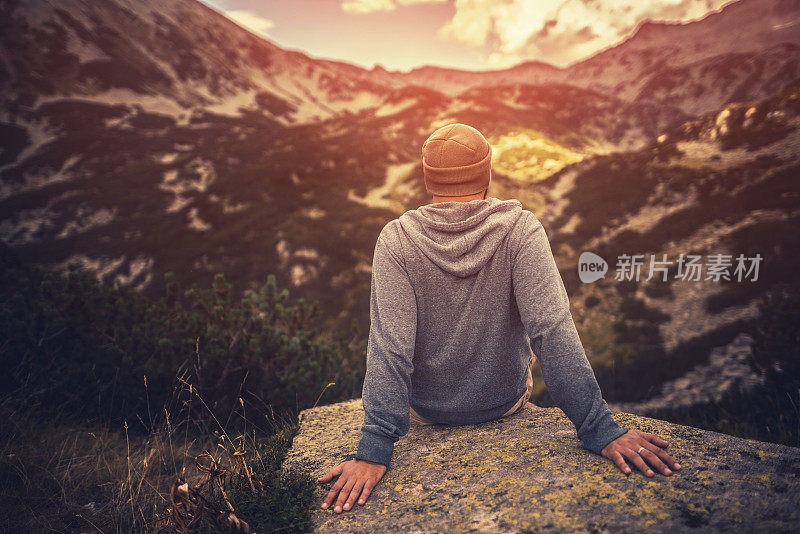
(637, 447)
(356, 480)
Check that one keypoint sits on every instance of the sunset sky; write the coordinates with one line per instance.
(467, 34)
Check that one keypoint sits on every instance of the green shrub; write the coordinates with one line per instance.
(73, 346)
(282, 498)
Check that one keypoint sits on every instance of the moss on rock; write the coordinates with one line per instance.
(528, 472)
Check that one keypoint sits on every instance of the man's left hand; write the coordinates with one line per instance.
(356, 477)
(637, 446)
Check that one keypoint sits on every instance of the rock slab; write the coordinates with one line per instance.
(528, 473)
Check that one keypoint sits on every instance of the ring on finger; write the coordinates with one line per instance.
(640, 450)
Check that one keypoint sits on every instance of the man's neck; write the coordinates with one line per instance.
(466, 198)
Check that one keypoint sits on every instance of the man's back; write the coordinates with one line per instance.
(471, 351)
(451, 304)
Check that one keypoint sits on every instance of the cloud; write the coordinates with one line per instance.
(412, 2)
(367, 6)
(251, 21)
(371, 6)
(558, 31)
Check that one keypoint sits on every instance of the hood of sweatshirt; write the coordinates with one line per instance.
(460, 237)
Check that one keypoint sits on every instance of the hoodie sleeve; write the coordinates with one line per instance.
(390, 351)
(544, 308)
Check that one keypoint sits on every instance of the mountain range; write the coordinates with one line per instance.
(145, 137)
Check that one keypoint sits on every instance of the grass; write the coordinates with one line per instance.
(530, 156)
(760, 413)
(65, 476)
(62, 477)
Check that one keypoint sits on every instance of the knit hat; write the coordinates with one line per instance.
(456, 161)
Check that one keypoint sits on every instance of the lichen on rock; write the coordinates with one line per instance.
(529, 472)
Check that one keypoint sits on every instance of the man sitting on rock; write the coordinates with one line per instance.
(464, 292)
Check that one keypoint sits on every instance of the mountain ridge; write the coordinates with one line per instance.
(293, 169)
(237, 72)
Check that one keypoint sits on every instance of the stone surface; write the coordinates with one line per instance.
(528, 472)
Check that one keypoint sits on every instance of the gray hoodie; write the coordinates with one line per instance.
(461, 292)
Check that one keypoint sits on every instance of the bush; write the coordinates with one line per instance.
(75, 347)
(81, 364)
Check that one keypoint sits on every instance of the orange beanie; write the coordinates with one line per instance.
(456, 161)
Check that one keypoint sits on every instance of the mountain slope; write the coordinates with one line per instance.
(725, 183)
(168, 58)
(745, 51)
(139, 139)
(180, 57)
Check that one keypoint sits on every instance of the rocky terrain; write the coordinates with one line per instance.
(528, 472)
(724, 183)
(143, 137)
